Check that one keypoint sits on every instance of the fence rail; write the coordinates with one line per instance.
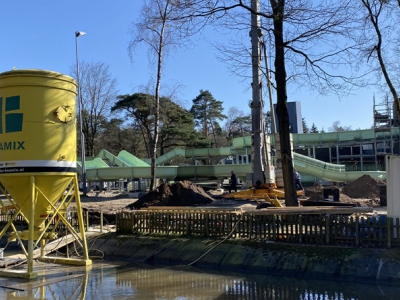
(305, 228)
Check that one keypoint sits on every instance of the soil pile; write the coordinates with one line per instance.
(365, 191)
(181, 193)
(315, 192)
(364, 187)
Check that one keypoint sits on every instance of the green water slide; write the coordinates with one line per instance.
(330, 172)
(325, 137)
(109, 167)
(193, 153)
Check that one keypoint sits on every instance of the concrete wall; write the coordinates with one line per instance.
(338, 263)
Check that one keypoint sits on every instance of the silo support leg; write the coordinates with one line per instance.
(80, 219)
(61, 218)
(80, 238)
(32, 201)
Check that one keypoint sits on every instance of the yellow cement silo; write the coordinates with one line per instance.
(37, 143)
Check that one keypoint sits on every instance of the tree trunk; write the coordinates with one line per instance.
(281, 107)
(157, 105)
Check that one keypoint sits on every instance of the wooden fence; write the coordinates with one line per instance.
(305, 228)
(302, 227)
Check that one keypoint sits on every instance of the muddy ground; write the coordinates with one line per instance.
(365, 191)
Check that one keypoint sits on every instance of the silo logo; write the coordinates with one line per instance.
(13, 120)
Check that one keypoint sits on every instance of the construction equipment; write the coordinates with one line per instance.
(262, 167)
(268, 193)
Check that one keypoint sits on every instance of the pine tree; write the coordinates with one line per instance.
(314, 129)
(207, 111)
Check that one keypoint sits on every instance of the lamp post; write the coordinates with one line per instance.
(82, 136)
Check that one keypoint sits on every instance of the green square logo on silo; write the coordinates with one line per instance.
(13, 120)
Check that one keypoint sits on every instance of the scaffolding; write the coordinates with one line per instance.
(383, 115)
(383, 122)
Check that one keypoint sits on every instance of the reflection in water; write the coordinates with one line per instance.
(136, 281)
(191, 283)
(50, 287)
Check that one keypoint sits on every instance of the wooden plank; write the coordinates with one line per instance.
(209, 210)
(192, 208)
(310, 210)
(49, 248)
(270, 210)
(5, 261)
(7, 204)
(325, 203)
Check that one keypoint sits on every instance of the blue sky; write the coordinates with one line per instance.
(40, 35)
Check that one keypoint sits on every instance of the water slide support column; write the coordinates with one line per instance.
(361, 157)
(337, 154)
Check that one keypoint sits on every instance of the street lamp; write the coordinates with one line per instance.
(78, 34)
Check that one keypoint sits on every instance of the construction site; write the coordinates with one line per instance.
(46, 167)
(45, 216)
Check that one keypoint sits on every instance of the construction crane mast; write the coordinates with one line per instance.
(259, 161)
(265, 185)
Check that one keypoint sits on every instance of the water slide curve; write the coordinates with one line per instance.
(107, 167)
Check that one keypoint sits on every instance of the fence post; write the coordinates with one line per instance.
(230, 222)
(168, 222)
(250, 227)
(389, 222)
(274, 227)
(327, 230)
(206, 225)
(101, 220)
(187, 223)
(357, 231)
(133, 220)
(150, 223)
(116, 222)
(300, 229)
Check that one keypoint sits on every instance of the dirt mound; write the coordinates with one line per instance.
(315, 192)
(181, 193)
(364, 187)
(364, 191)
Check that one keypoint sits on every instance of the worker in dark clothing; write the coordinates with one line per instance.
(297, 180)
(233, 182)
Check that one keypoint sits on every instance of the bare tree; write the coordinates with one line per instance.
(98, 91)
(380, 21)
(237, 124)
(153, 30)
(311, 47)
(156, 30)
(336, 127)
